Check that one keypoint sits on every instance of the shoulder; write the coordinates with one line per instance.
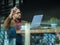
(23, 21)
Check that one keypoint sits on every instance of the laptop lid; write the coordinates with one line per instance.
(36, 21)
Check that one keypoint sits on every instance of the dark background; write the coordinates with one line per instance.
(29, 8)
(49, 8)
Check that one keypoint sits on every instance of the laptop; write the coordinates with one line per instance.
(36, 21)
(35, 24)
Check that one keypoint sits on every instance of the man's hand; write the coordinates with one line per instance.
(12, 12)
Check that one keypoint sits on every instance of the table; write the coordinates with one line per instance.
(57, 30)
(40, 31)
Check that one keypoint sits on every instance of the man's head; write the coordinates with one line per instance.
(16, 13)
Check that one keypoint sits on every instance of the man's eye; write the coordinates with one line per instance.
(20, 12)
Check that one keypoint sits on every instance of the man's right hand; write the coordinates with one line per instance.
(12, 12)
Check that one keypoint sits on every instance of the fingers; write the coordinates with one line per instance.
(15, 8)
(11, 11)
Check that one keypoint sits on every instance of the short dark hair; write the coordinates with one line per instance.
(19, 7)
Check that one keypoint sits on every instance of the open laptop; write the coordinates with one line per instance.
(35, 24)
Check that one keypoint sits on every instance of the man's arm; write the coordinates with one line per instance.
(6, 23)
(8, 19)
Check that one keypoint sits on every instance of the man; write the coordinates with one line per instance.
(13, 21)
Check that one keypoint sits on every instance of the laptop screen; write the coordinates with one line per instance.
(36, 21)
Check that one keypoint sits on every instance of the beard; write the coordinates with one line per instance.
(19, 19)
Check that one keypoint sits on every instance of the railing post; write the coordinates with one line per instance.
(27, 34)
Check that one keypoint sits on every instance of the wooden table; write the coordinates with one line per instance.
(40, 31)
(27, 32)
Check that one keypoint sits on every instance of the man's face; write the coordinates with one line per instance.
(17, 14)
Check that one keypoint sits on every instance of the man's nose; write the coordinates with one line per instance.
(19, 14)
